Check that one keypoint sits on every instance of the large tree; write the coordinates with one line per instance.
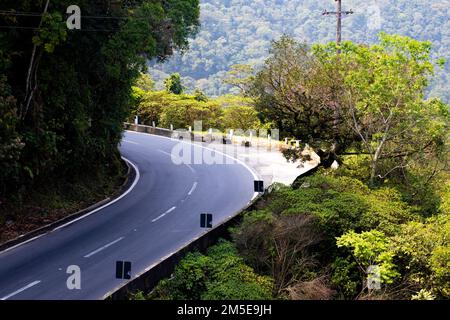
(382, 101)
(72, 87)
(301, 96)
(368, 100)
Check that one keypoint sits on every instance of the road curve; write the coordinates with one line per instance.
(159, 215)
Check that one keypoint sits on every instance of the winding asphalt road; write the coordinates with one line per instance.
(158, 215)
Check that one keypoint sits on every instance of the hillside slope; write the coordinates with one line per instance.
(240, 31)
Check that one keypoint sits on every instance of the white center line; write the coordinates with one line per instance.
(28, 286)
(103, 248)
(128, 141)
(159, 217)
(194, 186)
(190, 168)
(168, 211)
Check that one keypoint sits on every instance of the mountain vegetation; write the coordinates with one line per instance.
(240, 32)
(181, 110)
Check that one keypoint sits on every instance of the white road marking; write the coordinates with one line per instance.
(28, 286)
(190, 168)
(136, 180)
(22, 243)
(128, 141)
(168, 211)
(159, 217)
(103, 248)
(187, 165)
(194, 186)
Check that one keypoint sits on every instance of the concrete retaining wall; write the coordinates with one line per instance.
(148, 280)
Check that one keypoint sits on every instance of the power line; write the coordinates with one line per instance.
(38, 14)
(78, 30)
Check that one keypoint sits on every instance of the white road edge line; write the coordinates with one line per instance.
(135, 182)
(190, 168)
(255, 194)
(138, 176)
(194, 186)
(168, 211)
(28, 286)
(103, 248)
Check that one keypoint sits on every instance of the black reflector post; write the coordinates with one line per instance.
(259, 186)
(119, 269)
(123, 269)
(206, 220)
(127, 270)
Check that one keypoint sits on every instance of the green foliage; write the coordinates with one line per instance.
(219, 275)
(80, 83)
(299, 93)
(367, 224)
(371, 248)
(52, 33)
(184, 112)
(241, 117)
(240, 32)
(145, 82)
(345, 276)
(181, 110)
(200, 96)
(189, 280)
(386, 211)
(280, 246)
(423, 295)
(173, 84)
(424, 249)
(241, 77)
(10, 142)
(342, 204)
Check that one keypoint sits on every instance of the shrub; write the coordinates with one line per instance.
(280, 246)
(219, 275)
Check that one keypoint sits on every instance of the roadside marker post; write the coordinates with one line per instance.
(123, 269)
(206, 220)
(259, 186)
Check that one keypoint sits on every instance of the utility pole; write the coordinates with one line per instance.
(339, 13)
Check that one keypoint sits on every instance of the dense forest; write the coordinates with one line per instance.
(64, 95)
(240, 32)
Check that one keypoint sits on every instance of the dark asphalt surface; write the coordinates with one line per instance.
(157, 217)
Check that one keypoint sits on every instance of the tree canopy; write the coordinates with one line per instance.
(64, 94)
(240, 32)
(367, 100)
